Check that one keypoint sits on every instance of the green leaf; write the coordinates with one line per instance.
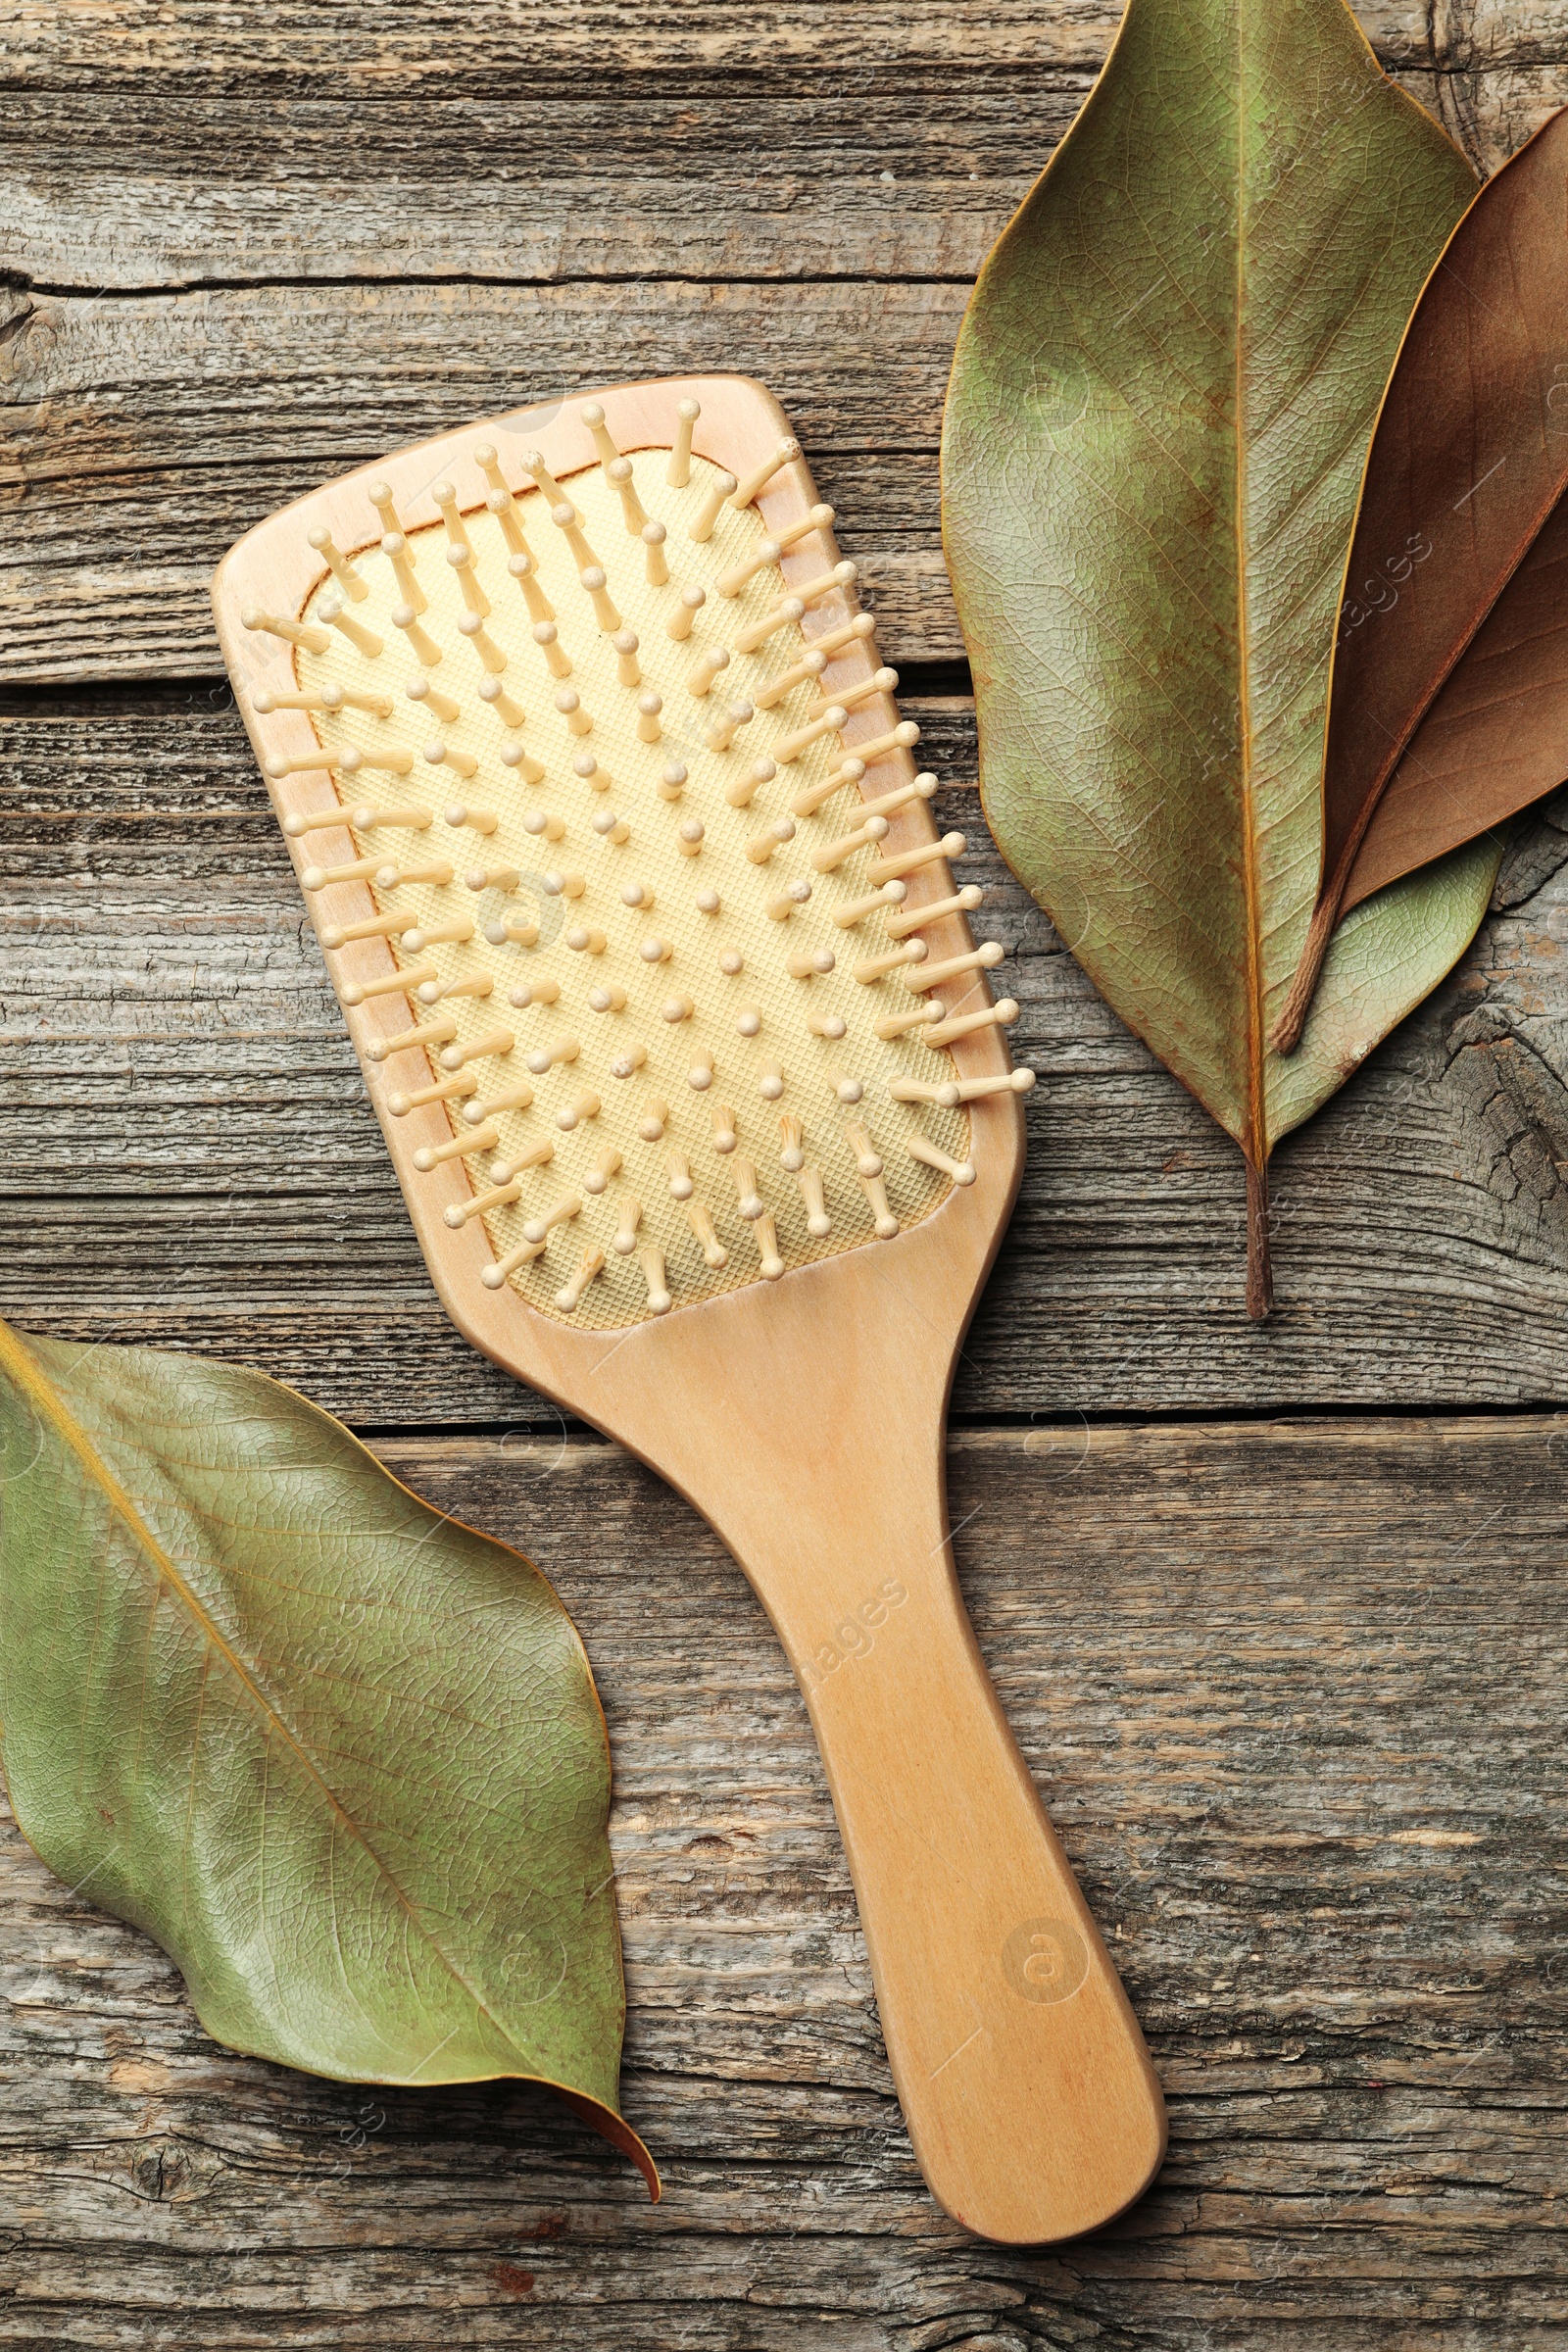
(1386, 955)
(1160, 405)
(341, 1756)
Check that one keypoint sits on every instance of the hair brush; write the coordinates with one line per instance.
(688, 1067)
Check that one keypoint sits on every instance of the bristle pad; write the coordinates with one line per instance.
(641, 961)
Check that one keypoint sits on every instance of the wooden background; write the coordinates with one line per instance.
(1279, 1614)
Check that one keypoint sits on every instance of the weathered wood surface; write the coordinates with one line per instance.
(195, 1163)
(152, 431)
(1295, 1693)
(683, 159)
(248, 249)
(1294, 1697)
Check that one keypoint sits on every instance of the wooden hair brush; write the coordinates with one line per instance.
(687, 1064)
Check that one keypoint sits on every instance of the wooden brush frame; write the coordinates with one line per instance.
(803, 1418)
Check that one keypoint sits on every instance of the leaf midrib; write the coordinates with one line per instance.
(46, 1399)
(1256, 1146)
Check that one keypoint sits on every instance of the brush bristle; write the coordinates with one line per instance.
(635, 928)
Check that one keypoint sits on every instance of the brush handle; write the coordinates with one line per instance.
(807, 1423)
(1028, 2092)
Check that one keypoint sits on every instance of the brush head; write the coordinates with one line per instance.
(647, 863)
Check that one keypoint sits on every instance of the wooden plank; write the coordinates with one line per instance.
(899, 170)
(755, 181)
(561, 50)
(192, 1162)
(167, 426)
(375, 50)
(1294, 1697)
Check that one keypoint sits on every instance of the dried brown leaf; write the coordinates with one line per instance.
(1449, 705)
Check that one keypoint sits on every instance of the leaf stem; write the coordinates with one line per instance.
(1260, 1266)
(1286, 1034)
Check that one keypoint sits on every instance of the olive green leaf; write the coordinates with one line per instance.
(1162, 400)
(341, 1756)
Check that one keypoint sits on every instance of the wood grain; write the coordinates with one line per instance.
(1294, 1697)
(195, 1163)
(764, 179)
(387, 53)
(167, 425)
(759, 179)
(112, 42)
